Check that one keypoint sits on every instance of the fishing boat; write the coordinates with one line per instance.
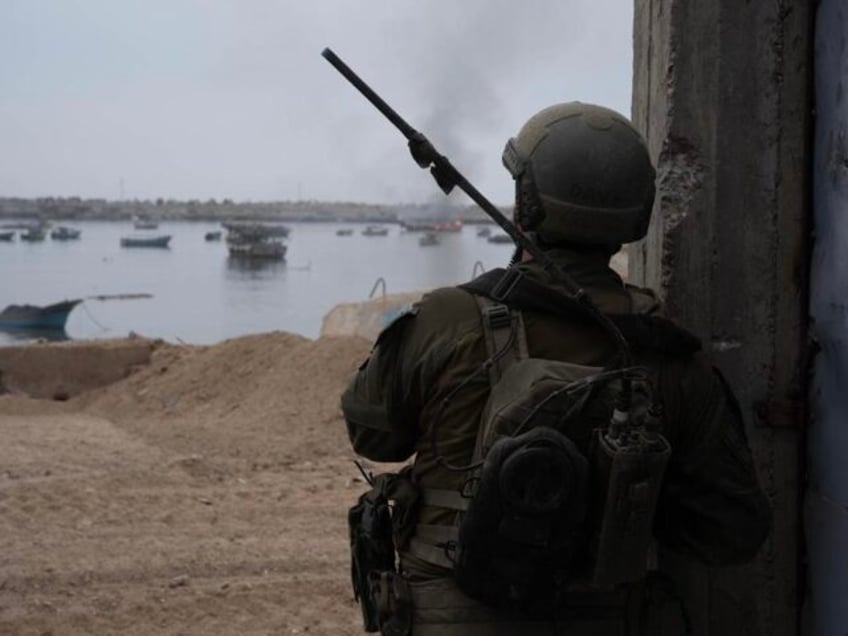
(375, 230)
(7, 236)
(63, 233)
(34, 234)
(142, 223)
(270, 250)
(269, 229)
(255, 241)
(500, 238)
(212, 236)
(37, 317)
(146, 241)
(448, 226)
(428, 239)
(418, 226)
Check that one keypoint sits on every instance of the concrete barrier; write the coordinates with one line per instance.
(367, 318)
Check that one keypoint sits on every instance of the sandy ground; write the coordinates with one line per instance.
(205, 493)
(150, 488)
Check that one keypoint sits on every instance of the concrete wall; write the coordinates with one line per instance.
(826, 501)
(721, 93)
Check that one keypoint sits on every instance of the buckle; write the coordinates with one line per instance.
(498, 316)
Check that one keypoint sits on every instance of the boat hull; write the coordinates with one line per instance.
(155, 241)
(270, 250)
(37, 317)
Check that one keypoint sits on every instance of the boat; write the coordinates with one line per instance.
(34, 234)
(146, 241)
(63, 233)
(265, 250)
(346, 231)
(500, 238)
(418, 226)
(212, 236)
(37, 317)
(428, 239)
(143, 223)
(7, 236)
(269, 229)
(484, 231)
(255, 241)
(448, 226)
(375, 230)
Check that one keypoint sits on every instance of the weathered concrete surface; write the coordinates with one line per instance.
(367, 318)
(721, 93)
(826, 499)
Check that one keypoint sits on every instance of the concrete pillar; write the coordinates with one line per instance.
(721, 91)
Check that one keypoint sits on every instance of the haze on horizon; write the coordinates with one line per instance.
(198, 99)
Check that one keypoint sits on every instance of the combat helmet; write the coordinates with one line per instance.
(583, 176)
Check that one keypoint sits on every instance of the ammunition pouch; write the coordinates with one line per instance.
(382, 518)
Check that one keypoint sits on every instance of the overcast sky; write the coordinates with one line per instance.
(232, 99)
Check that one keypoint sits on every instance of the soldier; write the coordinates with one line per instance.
(584, 186)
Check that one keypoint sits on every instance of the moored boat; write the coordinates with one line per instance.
(143, 223)
(500, 238)
(63, 233)
(375, 230)
(270, 250)
(36, 316)
(7, 236)
(268, 229)
(146, 241)
(34, 234)
(212, 236)
(428, 239)
(345, 231)
(255, 242)
(484, 231)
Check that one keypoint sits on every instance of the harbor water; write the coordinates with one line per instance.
(193, 292)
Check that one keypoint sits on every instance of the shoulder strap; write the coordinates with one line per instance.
(503, 331)
(511, 287)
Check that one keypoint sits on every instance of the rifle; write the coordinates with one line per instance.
(448, 177)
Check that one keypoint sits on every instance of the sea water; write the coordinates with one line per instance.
(193, 292)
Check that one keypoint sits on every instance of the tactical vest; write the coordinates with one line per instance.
(544, 523)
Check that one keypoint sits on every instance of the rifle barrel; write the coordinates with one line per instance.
(408, 131)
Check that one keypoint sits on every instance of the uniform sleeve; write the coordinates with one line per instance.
(370, 403)
(712, 505)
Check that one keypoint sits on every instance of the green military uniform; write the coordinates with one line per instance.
(711, 506)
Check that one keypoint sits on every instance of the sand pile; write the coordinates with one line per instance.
(204, 493)
(271, 395)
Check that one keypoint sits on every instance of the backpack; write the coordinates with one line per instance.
(558, 492)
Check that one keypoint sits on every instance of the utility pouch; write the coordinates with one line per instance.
(627, 474)
(372, 549)
(391, 595)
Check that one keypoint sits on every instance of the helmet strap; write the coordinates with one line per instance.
(529, 212)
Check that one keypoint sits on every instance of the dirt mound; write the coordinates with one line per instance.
(271, 395)
(203, 493)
